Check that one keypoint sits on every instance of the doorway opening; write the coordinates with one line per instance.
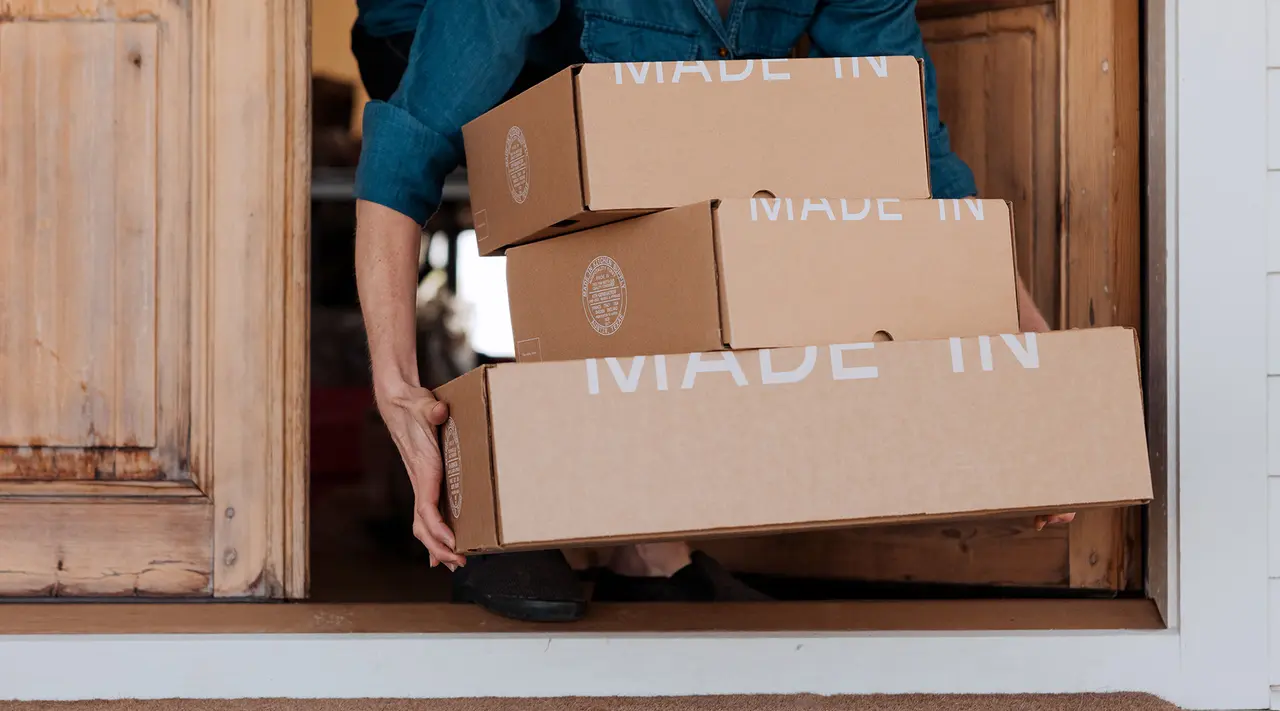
(1007, 91)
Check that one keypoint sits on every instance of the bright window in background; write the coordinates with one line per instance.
(482, 285)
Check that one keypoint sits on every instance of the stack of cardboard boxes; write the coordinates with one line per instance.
(737, 309)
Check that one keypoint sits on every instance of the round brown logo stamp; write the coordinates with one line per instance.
(453, 468)
(604, 296)
(517, 165)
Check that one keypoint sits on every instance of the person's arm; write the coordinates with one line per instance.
(465, 58)
(387, 245)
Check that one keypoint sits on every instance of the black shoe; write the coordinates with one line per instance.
(538, 586)
(702, 580)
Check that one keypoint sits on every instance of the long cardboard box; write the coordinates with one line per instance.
(685, 446)
(765, 273)
(601, 142)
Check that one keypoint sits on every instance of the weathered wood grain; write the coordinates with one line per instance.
(254, 336)
(984, 552)
(1102, 233)
(77, 234)
(444, 618)
(105, 547)
(82, 9)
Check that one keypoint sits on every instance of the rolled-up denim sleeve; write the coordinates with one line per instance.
(889, 27)
(465, 58)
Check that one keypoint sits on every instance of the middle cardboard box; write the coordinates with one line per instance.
(766, 272)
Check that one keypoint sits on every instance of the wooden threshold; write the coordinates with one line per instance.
(440, 618)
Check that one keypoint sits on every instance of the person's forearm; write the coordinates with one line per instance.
(387, 245)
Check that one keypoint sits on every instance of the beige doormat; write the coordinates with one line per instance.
(1068, 702)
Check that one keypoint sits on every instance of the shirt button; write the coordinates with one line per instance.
(724, 52)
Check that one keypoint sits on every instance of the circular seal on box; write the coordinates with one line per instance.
(517, 165)
(604, 296)
(453, 467)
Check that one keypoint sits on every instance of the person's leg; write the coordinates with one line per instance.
(669, 572)
(650, 560)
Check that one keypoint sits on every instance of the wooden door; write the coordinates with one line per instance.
(1042, 101)
(152, 289)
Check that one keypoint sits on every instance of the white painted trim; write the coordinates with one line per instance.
(351, 666)
(1222, 299)
(1273, 545)
(1273, 632)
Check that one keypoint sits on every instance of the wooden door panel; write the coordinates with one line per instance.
(152, 374)
(77, 281)
(105, 540)
(1003, 552)
(1100, 237)
(83, 9)
(998, 94)
(75, 464)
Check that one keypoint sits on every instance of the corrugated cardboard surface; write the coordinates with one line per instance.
(646, 285)
(522, 164)
(792, 127)
(813, 270)
(635, 449)
(791, 271)
(604, 142)
(467, 500)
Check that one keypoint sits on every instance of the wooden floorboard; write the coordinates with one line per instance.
(313, 618)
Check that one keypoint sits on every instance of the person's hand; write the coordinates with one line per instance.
(1042, 521)
(412, 416)
(1030, 320)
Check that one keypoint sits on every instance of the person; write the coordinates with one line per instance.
(432, 65)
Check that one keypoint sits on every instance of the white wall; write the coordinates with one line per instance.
(1220, 166)
(1273, 329)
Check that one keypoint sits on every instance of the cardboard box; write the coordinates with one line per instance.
(650, 448)
(601, 142)
(765, 273)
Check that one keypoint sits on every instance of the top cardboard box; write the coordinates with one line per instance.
(601, 142)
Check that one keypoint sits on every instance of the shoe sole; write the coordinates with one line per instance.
(556, 611)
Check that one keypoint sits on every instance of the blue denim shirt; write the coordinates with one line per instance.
(468, 54)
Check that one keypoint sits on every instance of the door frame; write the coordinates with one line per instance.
(1206, 139)
(252, 307)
